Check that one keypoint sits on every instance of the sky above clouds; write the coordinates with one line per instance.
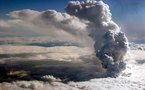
(129, 14)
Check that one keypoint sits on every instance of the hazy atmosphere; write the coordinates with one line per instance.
(72, 45)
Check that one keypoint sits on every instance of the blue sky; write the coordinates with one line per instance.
(119, 8)
(7, 6)
(129, 14)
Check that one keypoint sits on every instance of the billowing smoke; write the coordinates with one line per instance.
(81, 19)
(110, 43)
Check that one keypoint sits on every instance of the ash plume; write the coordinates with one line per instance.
(110, 43)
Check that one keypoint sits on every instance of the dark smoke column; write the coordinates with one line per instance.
(110, 43)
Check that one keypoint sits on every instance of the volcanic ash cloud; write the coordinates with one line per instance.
(84, 20)
(110, 43)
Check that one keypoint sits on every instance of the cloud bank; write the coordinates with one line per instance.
(131, 79)
(37, 63)
(4, 24)
(83, 20)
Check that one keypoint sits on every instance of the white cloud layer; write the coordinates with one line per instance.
(60, 53)
(132, 78)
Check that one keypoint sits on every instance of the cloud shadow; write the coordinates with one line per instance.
(35, 70)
